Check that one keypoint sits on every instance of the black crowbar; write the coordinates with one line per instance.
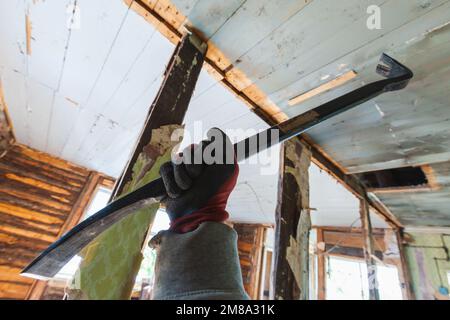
(49, 262)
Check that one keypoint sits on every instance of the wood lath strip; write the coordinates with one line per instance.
(21, 247)
(12, 291)
(8, 186)
(52, 171)
(32, 225)
(58, 163)
(31, 235)
(9, 238)
(37, 183)
(42, 175)
(34, 195)
(35, 203)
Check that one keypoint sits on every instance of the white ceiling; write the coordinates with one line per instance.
(83, 93)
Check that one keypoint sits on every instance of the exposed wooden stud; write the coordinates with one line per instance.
(369, 250)
(407, 288)
(321, 269)
(292, 223)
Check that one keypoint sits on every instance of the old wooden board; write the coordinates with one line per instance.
(292, 223)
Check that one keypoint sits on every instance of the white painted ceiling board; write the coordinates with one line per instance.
(396, 13)
(129, 46)
(298, 37)
(90, 45)
(49, 36)
(40, 100)
(260, 19)
(63, 113)
(125, 52)
(202, 106)
(333, 204)
(185, 6)
(117, 154)
(15, 93)
(12, 35)
(204, 83)
(210, 16)
(363, 59)
(141, 82)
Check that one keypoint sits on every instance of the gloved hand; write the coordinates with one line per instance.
(199, 183)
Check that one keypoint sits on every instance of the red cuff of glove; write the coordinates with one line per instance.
(213, 210)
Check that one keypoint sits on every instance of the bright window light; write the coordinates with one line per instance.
(389, 283)
(347, 280)
(146, 271)
(99, 201)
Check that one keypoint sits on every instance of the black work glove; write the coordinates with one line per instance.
(199, 183)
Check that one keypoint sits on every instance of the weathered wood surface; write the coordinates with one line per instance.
(111, 262)
(173, 97)
(291, 233)
(39, 194)
(250, 248)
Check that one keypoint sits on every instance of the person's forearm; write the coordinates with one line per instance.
(201, 264)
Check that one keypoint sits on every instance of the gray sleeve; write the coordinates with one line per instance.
(201, 264)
